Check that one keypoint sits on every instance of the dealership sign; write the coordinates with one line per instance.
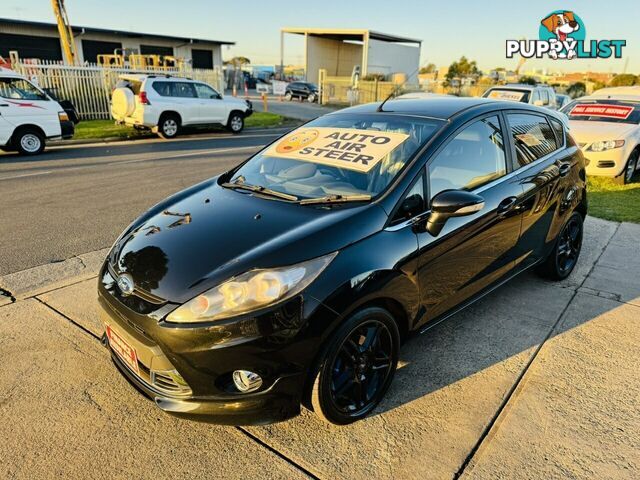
(562, 35)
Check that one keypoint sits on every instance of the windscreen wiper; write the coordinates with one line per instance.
(261, 190)
(336, 199)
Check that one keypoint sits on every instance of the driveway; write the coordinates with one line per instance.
(537, 380)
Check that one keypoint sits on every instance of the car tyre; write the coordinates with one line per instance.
(235, 124)
(356, 367)
(629, 169)
(288, 97)
(566, 251)
(169, 126)
(28, 141)
(311, 98)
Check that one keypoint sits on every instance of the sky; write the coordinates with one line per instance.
(448, 29)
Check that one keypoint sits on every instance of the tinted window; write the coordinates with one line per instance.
(184, 90)
(205, 91)
(164, 89)
(532, 136)
(474, 157)
(19, 89)
(559, 129)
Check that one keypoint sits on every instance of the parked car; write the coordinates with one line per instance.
(294, 277)
(302, 90)
(562, 100)
(28, 116)
(606, 125)
(165, 104)
(539, 95)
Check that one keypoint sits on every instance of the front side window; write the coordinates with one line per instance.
(413, 203)
(184, 90)
(474, 157)
(19, 89)
(205, 91)
(532, 137)
(339, 154)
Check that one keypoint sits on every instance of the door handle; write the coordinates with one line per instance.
(507, 205)
(565, 168)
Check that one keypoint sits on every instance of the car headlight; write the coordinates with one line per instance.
(605, 145)
(250, 291)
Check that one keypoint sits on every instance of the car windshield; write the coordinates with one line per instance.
(605, 110)
(19, 89)
(340, 155)
(508, 94)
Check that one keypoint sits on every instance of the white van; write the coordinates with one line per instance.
(28, 116)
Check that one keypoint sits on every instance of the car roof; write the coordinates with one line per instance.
(617, 93)
(440, 107)
(139, 77)
(7, 72)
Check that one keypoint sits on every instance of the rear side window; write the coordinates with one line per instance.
(559, 129)
(163, 88)
(532, 137)
(474, 157)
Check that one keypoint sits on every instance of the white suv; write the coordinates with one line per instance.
(164, 104)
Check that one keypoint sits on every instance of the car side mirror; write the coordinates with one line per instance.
(539, 103)
(452, 203)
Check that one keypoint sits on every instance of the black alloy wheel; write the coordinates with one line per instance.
(358, 367)
(564, 256)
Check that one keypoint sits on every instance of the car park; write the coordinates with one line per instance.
(303, 91)
(28, 116)
(293, 278)
(540, 95)
(606, 125)
(165, 104)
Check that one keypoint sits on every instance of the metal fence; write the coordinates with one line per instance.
(89, 87)
(342, 90)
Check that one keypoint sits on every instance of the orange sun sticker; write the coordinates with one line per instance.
(296, 141)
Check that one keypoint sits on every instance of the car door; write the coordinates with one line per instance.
(184, 96)
(6, 129)
(473, 251)
(212, 108)
(21, 102)
(544, 168)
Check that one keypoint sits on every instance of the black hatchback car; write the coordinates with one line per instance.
(294, 278)
(303, 91)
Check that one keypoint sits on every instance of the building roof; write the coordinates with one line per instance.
(349, 34)
(121, 33)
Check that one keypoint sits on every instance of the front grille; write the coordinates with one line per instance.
(140, 301)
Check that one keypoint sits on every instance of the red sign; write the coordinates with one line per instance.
(602, 110)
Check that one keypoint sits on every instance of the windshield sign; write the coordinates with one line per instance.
(510, 95)
(358, 150)
(602, 110)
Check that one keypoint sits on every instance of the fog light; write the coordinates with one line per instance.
(246, 381)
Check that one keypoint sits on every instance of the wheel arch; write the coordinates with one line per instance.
(27, 126)
(170, 112)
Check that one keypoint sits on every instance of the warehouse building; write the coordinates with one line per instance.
(40, 40)
(339, 51)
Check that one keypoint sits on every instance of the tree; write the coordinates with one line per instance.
(576, 89)
(462, 68)
(429, 68)
(623, 80)
(238, 61)
(528, 80)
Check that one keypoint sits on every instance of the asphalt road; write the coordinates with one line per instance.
(77, 199)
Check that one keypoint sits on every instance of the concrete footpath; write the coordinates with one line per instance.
(537, 380)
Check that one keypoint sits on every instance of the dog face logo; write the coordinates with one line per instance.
(560, 26)
(297, 140)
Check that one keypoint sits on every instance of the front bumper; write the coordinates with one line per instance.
(67, 129)
(609, 163)
(275, 344)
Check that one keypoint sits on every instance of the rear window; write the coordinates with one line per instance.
(532, 137)
(605, 110)
(559, 129)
